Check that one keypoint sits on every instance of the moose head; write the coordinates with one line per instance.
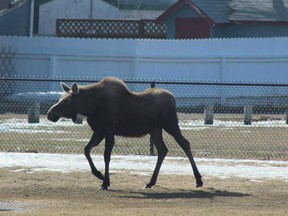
(67, 105)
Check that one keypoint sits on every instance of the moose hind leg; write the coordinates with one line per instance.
(109, 144)
(162, 150)
(185, 145)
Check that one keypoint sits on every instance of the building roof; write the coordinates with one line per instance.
(141, 4)
(6, 5)
(213, 12)
(220, 11)
(217, 10)
(258, 10)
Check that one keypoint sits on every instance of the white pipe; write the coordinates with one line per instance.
(31, 18)
(91, 9)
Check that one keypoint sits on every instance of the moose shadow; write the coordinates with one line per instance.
(197, 194)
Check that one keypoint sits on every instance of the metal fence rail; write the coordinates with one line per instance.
(230, 120)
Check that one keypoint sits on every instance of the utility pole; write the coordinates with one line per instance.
(91, 9)
(31, 18)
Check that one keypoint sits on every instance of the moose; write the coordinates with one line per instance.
(112, 109)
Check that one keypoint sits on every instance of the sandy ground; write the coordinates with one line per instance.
(76, 193)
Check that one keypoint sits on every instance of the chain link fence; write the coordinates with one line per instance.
(227, 120)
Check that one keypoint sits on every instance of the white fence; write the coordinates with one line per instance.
(214, 59)
(240, 60)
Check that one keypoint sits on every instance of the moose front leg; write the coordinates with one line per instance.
(94, 141)
(109, 144)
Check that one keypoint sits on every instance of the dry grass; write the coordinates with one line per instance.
(206, 141)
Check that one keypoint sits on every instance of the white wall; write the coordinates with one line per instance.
(215, 59)
(240, 60)
(212, 59)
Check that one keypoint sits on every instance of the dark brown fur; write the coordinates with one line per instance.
(112, 109)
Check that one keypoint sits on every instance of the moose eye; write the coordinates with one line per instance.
(66, 100)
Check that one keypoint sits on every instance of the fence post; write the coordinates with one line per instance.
(248, 114)
(79, 119)
(208, 114)
(151, 149)
(34, 112)
(141, 32)
(286, 114)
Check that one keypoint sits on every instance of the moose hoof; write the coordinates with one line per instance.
(149, 185)
(103, 188)
(199, 183)
(105, 184)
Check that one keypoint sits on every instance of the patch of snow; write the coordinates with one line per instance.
(199, 124)
(45, 126)
(255, 170)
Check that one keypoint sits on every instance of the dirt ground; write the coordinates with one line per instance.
(55, 193)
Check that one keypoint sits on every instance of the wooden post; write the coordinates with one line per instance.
(208, 114)
(79, 119)
(286, 114)
(34, 113)
(151, 149)
(141, 30)
(248, 114)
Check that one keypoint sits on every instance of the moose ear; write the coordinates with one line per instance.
(75, 88)
(65, 87)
